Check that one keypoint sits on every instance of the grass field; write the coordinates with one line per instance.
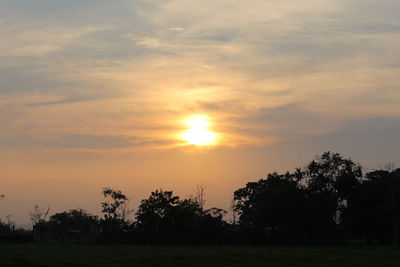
(96, 255)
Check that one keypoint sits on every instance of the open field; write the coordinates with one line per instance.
(96, 255)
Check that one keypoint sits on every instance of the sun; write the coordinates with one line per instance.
(198, 132)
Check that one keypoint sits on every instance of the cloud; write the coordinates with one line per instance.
(95, 142)
(148, 42)
(80, 142)
(176, 29)
(262, 68)
(372, 139)
(18, 42)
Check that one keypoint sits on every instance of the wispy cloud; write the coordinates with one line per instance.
(261, 69)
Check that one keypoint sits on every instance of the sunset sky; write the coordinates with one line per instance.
(97, 93)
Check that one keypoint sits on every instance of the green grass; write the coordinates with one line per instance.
(96, 255)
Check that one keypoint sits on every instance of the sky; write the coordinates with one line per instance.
(96, 94)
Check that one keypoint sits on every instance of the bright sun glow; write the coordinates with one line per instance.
(198, 133)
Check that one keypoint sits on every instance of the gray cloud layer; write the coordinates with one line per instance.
(273, 68)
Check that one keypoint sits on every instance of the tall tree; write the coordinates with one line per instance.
(38, 215)
(152, 214)
(270, 210)
(114, 224)
(116, 207)
(306, 204)
(38, 218)
(373, 213)
(330, 182)
(200, 194)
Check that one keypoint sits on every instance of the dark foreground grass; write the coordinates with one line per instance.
(96, 255)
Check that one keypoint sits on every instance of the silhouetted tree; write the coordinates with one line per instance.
(165, 219)
(326, 202)
(330, 181)
(200, 194)
(373, 213)
(38, 215)
(8, 226)
(152, 212)
(3, 226)
(304, 206)
(114, 209)
(114, 224)
(234, 213)
(38, 218)
(74, 225)
(271, 210)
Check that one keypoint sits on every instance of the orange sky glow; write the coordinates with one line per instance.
(142, 95)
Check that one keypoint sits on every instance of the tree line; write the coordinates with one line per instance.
(328, 202)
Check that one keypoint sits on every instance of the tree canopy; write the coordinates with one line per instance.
(329, 201)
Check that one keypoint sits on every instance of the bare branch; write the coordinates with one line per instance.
(199, 194)
(233, 210)
(38, 215)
